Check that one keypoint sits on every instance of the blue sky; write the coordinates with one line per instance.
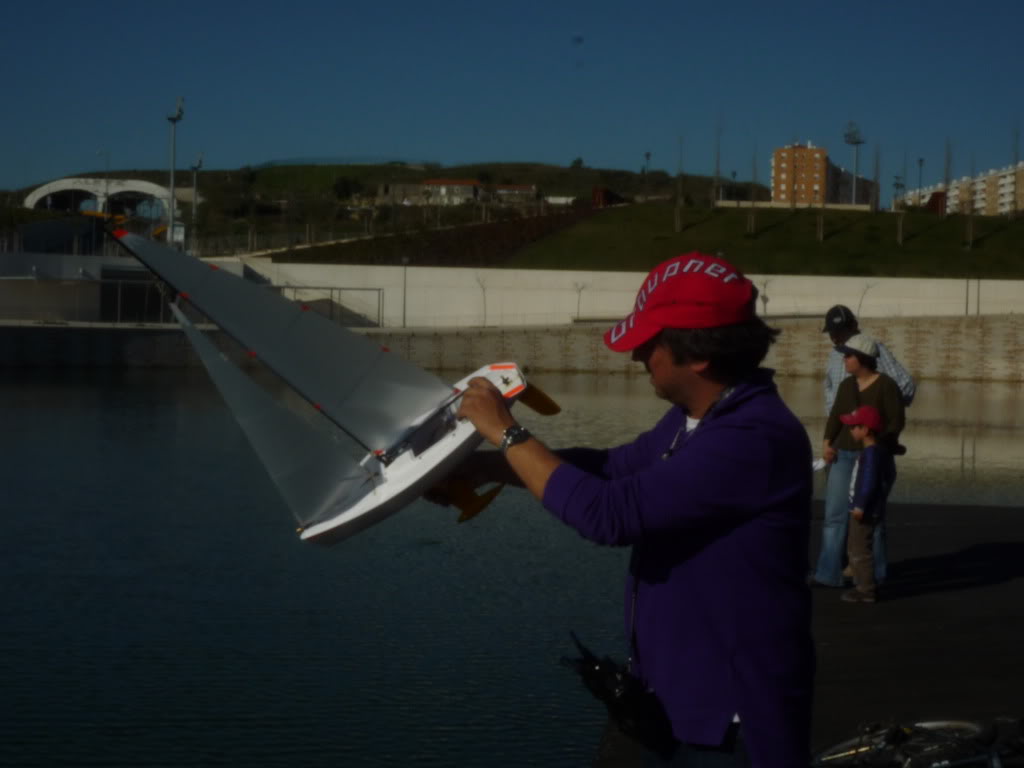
(454, 82)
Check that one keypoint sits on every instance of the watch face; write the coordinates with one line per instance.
(513, 436)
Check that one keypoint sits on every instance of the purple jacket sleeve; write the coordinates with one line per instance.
(683, 492)
(624, 459)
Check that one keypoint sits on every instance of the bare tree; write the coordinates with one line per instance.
(947, 176)
(969, 233)
(878, 179)
(718, 162)
(752, 215)
(1016, 168)
(678, 209)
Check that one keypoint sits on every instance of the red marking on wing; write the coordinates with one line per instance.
(516, 391)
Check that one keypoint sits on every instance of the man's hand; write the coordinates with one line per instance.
(828, 453)
(484, 406)
(858, 513)
(531, 461)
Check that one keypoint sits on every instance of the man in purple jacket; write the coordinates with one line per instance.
(715, 501)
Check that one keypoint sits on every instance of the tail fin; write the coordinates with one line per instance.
(534, 397)
(461, 495)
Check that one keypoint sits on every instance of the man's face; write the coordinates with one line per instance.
(654, 356)
(672, 381)
(840, 337)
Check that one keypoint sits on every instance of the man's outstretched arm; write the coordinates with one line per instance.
(531, 461)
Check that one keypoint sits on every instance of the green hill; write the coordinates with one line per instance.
(276, 206)
(786, 241)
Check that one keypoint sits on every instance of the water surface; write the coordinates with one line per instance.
(159, 609)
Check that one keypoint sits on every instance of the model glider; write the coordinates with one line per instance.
(381, 431)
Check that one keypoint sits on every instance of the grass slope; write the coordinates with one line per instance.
(636, 237)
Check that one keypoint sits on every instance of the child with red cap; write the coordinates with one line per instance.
(874, 475)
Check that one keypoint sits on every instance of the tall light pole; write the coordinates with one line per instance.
(405, 269)
(853, 137)
(195, 200)
(173, 120)
(106, 179)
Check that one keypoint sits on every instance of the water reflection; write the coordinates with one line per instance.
(965, 439)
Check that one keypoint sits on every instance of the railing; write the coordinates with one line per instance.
(83, 301)
(143, 302)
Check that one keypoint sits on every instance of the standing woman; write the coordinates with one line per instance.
(864, 386)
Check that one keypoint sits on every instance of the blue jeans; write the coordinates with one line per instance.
(837, 522)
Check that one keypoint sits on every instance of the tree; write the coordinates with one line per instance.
(577, 164)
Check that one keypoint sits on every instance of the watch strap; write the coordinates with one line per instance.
(514, 435)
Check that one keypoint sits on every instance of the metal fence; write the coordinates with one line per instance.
(108, 300)
(83, 301)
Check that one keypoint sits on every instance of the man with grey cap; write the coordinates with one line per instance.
(864, 385)
(840, 325)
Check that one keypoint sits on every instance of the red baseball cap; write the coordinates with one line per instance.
(866, 415)
(693, 290)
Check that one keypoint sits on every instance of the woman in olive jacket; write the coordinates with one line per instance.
(864, 386)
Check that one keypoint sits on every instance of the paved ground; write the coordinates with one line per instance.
(945, 641)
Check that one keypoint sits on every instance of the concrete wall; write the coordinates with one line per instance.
(973, 348)
(989, 348)
(50, 301)
(433, 297)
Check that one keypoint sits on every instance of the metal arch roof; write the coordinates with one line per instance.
(98, 187)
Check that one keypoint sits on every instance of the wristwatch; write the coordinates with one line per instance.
(514, 435)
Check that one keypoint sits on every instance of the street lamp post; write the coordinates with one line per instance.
(405, 269)
(173, 120)
(854, 138)
(106, 179)
(195, 200)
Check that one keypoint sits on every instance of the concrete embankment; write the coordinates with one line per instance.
(975, 348)
(987, 347)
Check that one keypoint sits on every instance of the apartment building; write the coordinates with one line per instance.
(802, 175)
(799, 174)
(997, 192)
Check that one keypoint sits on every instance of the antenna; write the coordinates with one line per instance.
(853, 137)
